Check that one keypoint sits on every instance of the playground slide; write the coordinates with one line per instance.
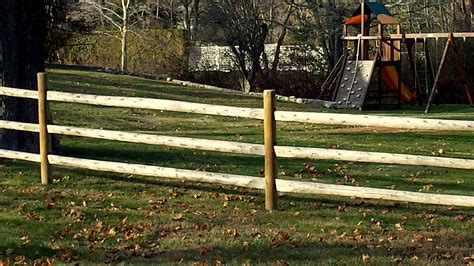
(390, 75)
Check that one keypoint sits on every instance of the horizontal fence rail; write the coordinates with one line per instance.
(286, 186)
(375, 121)
(249, 148)
(372, 157)
(156, 104)
(268, 114)
(18, 155)
(21, 93)
(256, 113)
(252, 113)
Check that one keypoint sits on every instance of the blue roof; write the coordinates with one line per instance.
(376, 8)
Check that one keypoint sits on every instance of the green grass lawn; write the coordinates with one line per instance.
(92, 217)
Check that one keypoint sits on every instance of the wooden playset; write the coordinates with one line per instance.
(374, 52)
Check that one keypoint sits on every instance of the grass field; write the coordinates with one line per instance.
(92, 217)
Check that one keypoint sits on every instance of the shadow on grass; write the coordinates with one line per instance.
(286, 200)
(445, 179)
(30, 251)
(148, 88)
(273, 252)
(304, 252)
(170, 157)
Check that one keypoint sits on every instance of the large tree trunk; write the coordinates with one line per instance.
(23, 31)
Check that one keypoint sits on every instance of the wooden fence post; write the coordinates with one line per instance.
(269, 126)
(44, 137)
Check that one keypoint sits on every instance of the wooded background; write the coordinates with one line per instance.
(154, 36)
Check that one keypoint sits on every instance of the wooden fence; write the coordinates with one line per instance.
(269, 150)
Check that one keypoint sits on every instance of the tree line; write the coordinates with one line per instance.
(246, 25)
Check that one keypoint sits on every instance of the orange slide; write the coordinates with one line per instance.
(390, 75)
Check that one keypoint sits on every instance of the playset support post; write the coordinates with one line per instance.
(438, 75)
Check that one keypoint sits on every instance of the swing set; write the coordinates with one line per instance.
(378, 53)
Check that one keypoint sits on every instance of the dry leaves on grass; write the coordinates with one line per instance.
(35, 216)
(44, 261)
(66, 254)
(205, 250)
(134, 250)
(232, 232)
(76, 214)
(282, 238)
(100, 232)
(177, 217)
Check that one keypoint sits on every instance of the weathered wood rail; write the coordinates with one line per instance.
(249, 148)
(252, 113)
(287, 186)
(269, 150)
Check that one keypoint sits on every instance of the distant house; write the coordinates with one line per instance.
(220, 58)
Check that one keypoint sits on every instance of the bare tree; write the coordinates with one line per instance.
(279, 17)
(319, 25)
(191, 14)
(468, 11)
(121, 15)
(246, 26)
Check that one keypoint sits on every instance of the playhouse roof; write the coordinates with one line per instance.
(378, 9)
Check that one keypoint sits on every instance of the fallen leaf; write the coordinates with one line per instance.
(25, 240)
(232, 232)
(112, 231)
(282, 261)
(178, 217)
(206, 250)
(42, 261)
(123, 222)
(74, 213)
(66, 254)
(245, 246)
(20, 260)
(399, 226)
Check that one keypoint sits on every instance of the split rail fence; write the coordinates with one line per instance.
(269, 150)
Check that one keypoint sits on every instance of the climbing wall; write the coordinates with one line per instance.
(354, 84)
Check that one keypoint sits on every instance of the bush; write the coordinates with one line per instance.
(151, 52)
